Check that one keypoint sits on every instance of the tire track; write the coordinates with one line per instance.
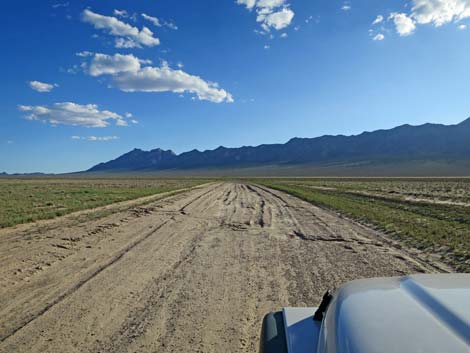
(82, 282)
(195, 273)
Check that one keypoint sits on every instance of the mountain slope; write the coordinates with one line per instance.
(136, 160)
(426, 142)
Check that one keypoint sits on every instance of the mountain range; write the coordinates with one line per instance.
(403, 144)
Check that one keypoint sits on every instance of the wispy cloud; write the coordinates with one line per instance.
(155, 21)
(378, 37)
(158, 22)
(69, 113)
(310, 18)
(170, 25)
(95, 138)
(127, 35)
(64, 4)
(129, 75)
(120, 13)
(378, 19)
(42, 86)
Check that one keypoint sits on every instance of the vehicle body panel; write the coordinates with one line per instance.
(422, 313)
(302, 331)
(412, 314)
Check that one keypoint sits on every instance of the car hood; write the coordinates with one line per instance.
(421, 313)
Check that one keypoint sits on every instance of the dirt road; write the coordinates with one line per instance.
(194, 272)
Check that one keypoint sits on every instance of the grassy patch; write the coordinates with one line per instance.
(437, 228)
(27, 200)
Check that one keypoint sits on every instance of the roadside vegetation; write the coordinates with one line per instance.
(431, 215)
(28, 200)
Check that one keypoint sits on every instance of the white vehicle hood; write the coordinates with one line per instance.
(421, 313)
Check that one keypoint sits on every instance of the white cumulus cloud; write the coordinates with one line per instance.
(270, 3)
(127, 35)
(69, 113)
(102, 64)
(278, 20)
(404, 25)
(248, 3)
(129, 75)
(271, 14)
(440, 12)
(42, 86)
(164, 79)
(430, 12)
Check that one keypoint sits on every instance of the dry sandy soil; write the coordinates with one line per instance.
(194, 272)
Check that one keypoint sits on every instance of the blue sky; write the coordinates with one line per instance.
(85, 81)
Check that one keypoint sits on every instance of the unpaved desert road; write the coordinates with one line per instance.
(194, 272)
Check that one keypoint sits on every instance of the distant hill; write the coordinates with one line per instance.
(428, 144)
(4, 174)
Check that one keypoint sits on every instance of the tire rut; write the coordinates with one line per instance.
(82, 282)
(196, 272)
